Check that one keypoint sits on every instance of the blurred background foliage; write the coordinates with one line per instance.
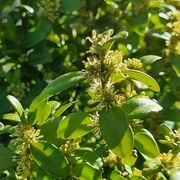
(43, 39)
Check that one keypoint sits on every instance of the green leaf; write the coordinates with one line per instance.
(140, 107)
(160, 34)
(146, 144)
(54, 105)
(144, 78)
(12, 117)
(1, 126)
(84, 170)
(56, 86)
(63, 108)
(130, 159)
(116, 131)
(42, 29)
(5, 158)
(165, 130)
(50, 159)
(107, 45)
(117, 77)
(88, 155)
(74, 125)
(115, 175)
(49, 131)
(149, 59)
(68, 6)
(16, 104)
(42, 112)
(28, 8)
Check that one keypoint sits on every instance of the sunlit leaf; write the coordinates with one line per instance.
(116, 175)
(160, 34)
(140, 107)
(84, 167)
(165, 130)
(149, 59)
(146, 144)
(56, 86)
(130, 159)
(74, 125)
(144, 78)
(50, 159)
(116, 131)
(12, 117)
(16, 104)
(63, 108)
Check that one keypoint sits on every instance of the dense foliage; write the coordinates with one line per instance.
(90, 89)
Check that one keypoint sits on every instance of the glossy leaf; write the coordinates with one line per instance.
(5, 158)
(50, 159)
(165, 130)
(116, 175)
(140, 107)
(12, 117)
(149, 59)
(63, 108)
(130, 160)
(82, 169)
(160, 34)
(74, 125)
(42, 112)
(144, 78)
(116, 131)
(54, 105)
(28, 8)
(88, 155)
(16, 104)
(56, 86)
(146, 144)
(49, 131)
(1, 126)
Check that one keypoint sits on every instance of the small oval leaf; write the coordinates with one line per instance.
(74, 125)
(149, 59)
(144, 78)
(16, 104)
(140, 107)
(63, 108)
(49, 158)
(116, 131)
(56, 86)
(146, 144)
(12, 117)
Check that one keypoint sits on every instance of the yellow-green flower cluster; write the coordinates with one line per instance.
(24, 135)
(173, 25)
(70, 146)
(133, 63)
(101, 67)
(98, 40)
(49, 9)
